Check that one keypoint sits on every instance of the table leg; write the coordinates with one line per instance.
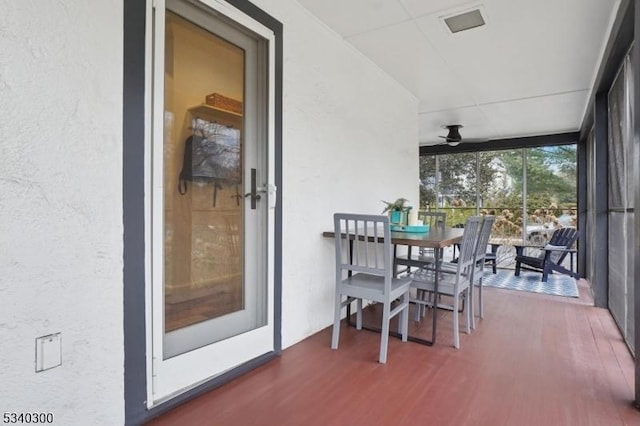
(494, 261)
(436, 278)
(350, 273)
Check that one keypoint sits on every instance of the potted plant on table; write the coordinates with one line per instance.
(398, 211)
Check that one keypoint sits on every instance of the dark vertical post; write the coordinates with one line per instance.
(277, 28)
(599, 280)
(582, 209)
(133, 123)
(635, 66)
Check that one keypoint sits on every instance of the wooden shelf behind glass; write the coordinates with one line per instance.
(210, 111)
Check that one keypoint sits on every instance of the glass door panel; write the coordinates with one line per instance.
(428, 188)
(203, 178)
(204, 207)
(212, 296)
(457, 183)
(551, 191)
(500, 193)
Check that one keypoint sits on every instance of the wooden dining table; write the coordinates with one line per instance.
(435, 239)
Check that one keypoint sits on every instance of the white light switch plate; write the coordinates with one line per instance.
(48, 351)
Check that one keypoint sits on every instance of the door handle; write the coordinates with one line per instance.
(254, 190)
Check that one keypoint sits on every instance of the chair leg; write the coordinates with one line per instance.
(470, 318)
(431, 299)
(359, 314)
(421, 310)
(456, 338)
(517, 274)
(471, 312)
(495, 266)
(336, 322)
(403, 321)
(384, 338)
(545, 274)
(480, 301)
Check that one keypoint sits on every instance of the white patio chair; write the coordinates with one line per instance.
(479, 262)
(480, 254)
(454, 285)
(364, 271)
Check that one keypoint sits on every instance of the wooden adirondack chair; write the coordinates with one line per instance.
(551, 255)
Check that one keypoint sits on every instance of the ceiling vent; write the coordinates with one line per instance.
(464, 21)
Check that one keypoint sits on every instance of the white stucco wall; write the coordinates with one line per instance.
(61, 207)
(350, 140)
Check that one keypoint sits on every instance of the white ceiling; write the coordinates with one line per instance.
(528, 71)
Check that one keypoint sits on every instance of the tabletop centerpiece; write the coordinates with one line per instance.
(402, 217)
(398, 211)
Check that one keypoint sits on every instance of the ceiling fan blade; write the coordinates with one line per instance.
(477, 140)
(463, 141)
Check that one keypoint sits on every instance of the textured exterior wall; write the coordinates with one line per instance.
(61, 207)
(350, 140)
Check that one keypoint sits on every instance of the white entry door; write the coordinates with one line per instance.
(210, 209)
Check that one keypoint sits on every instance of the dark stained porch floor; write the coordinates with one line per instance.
(533, 360)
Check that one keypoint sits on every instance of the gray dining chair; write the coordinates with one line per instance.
(425, 256)
(479, 262)
(479, 254)
(456, 284)
(364, 271)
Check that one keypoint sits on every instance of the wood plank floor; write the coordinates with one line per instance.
(533, 360)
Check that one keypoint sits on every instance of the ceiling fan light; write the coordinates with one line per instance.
(452, 143)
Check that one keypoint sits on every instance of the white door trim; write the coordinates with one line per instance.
(261, 340)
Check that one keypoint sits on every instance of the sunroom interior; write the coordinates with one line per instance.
(518, 100)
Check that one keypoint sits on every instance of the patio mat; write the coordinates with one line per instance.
(558, 285)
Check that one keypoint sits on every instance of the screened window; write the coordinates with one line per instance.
(532, 191)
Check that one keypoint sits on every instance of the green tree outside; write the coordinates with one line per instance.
(551, 184)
